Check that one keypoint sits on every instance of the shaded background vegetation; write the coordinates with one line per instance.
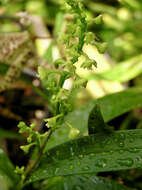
(120, 67)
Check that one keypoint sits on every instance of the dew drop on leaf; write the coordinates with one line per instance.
(71, 150)
(103, 153)
(101, 163)
(71, 167)
(134, 150)
(122, 136)
(44, 171)
(78, 163)
(85, 168)
(138, 159)
(111, 152)
(121, 144)
(116, 140)
(34, 177)
(78, 188)
(131, 140)
(126, 162)
(91, 155)
(80, 156)
(108, 142)
(121, 151)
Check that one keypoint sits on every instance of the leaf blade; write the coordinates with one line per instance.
(124, 101)
(92, 154)
(83, 183)
(122, 72)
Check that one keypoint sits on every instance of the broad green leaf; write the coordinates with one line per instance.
(120, 150)
(82, 183)
(48, 54)
(101, 8)
(76, 123)
(122, 72)
(134, 4)
(58, 23)
(7, 176)
(124, 101)
(96, 122)
(9, 134)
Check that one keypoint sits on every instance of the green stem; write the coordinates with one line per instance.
(32, 163)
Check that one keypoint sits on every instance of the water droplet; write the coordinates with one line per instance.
(121, 144)
(80, 156)
(138, 159)
(108, 142)
(78, 188)
(104, 153)
(78, 163)
(91, 155)
(71, 167)
(134, 150)
(111, 152)
(122, 136)
(101, 163)
(71, 150)
(44, 171)
(131, 140)
(85, 168)
(116, 140)
(121, 151)
(126, 162)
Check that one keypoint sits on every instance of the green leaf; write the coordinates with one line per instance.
(76, 123)
(48, 54)
(122, 72)
(7, 176)
(96, 122)
(124, 101)
(92, 154)
(101, 8)
(58, 23)
(134, 4)
(82, 183)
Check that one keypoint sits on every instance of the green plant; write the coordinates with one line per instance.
(78, 143)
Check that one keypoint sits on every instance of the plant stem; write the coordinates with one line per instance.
(33, 163)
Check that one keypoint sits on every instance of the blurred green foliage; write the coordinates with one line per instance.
(122, 26)
(121, 29)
